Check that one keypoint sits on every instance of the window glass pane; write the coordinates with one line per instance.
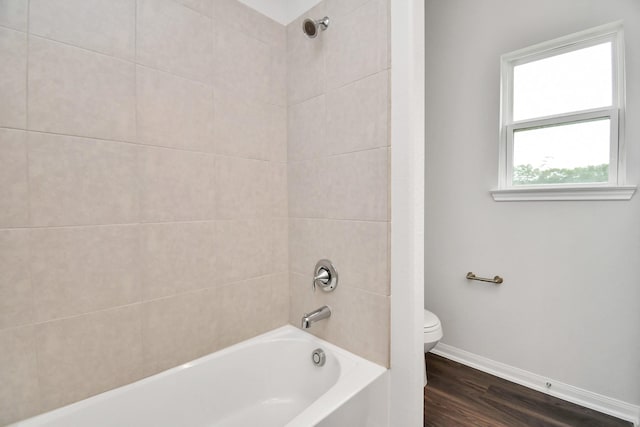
(570, 153)
(573, 81)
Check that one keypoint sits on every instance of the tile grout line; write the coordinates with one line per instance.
(246, 33)
(36, 348)
(337, 88)
(138, 162)
(143, 145)
(27, 124)
(143, 301)
(6, 27)
(322, 218)
(330, 156)
(192, 9)
(350, 287)
(136, 63)
(83, 48)
(362, 221)
(138, 179)
(133, 62)
(135, 69)
(143, 223)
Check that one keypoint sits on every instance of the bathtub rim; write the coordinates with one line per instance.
(360, 373)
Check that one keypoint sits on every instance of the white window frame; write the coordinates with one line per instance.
(615, 188)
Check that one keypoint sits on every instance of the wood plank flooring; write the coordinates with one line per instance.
(459, 396)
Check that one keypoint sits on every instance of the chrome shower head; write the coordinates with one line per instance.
(311, 28)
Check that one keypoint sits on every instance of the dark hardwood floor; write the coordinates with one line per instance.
(459, 396)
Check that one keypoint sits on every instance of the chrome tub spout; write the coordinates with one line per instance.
(310, 318)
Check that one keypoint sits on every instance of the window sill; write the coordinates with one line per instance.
(623, 192)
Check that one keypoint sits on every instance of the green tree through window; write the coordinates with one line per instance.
(528, 175)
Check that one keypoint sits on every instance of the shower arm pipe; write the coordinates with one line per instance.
(496, 279)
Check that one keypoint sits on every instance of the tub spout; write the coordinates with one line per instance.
(310, 318)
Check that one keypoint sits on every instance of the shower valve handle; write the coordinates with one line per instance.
(325, 276)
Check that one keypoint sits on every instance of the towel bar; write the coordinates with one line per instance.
(497, 279)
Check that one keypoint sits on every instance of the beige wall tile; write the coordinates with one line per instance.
(19, 394)
(277, 245)
(241, 128)
(339, 168)
(86, 355)
(279, 75)
(269, 31)
(303, 300)
(358, 250)
(224, 277)
(13, 78)
(358, 185)
(277, 141)
(359, 320)
(173, 112)
(176, 185)
(309, 188)
(342, 7)
(252, 23)
(105, 26)
(305, 60)
(279, 303)
(13, 14)
(362, 324)
(77, 92)
(358, 115)
(177, 257)
(351, 53)
(79, 270)
(307, 245)
(14, 188)
(76, 181)
(174, 38)
(307, 130)
(180, 328)
(244, 308)
(278, 204)
(202, 6)
(361, 253)
(242, 64)
(243, 250)
(242, 189)
(248, 129)
(16, 296)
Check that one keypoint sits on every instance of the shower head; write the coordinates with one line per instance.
(311, 28)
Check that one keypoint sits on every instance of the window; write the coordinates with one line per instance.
(562, 114)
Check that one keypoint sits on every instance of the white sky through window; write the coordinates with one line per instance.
(574, 81)
(564, 147)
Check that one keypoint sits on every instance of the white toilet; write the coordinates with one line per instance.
(432, 334)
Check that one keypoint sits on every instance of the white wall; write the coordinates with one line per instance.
(407, 207)
(569, 307)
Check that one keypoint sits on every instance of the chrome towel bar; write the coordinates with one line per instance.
(497, 279)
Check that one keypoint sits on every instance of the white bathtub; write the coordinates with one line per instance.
(267, 381)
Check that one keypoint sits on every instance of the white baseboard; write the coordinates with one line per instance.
(588, 399)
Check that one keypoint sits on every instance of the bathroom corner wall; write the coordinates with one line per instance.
(568, 309)
(338, 170)
(143, 193)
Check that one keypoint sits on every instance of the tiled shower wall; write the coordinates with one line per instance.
(338, 169)
(143, 195)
